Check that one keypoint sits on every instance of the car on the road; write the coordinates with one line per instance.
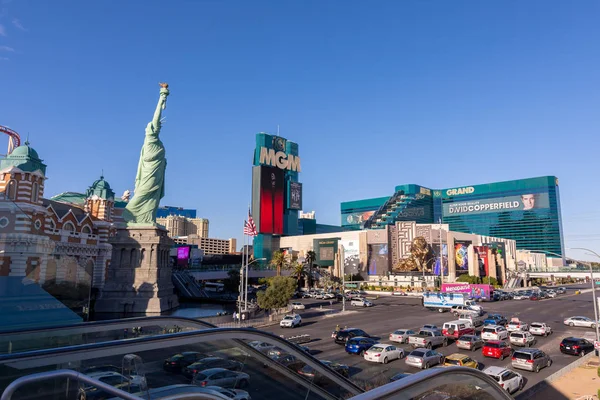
(458, 328)
(531, 359)
(535, 297)
(212, 362)
(401, 335)
(551, 294)
(298, 306)
(399, 293)
(496, 349)
(540, 329)
(494, 332)
(399, 376)
(263, 347)
(475, 320)
(561, 290)
(428, 338)
(460, 309)
(291, 321)
(424, 358)
(469, 342)
(132, 383)
(576, 346)
(360, 302)
(580, 321)
(429, 326)
(511, 381)
(234, 394)
(495, 319)
(288, 360)
(310, 373)
(341, 337)
(172, 391)
(516, 325)
(460, 360)
(522, 338)
(358, 345)
(221, 377)
(383, 353)
(177, 362)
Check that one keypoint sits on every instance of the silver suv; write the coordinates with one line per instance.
(531, 359)
(523, 339)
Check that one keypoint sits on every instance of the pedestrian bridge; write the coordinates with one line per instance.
(221, 272)
(575, 274)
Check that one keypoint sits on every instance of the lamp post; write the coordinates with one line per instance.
(593, 292)
(246, 282)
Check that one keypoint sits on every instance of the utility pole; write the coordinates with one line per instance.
(441, 252)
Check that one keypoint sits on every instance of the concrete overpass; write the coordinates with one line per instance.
(221, 273)
(561, 274)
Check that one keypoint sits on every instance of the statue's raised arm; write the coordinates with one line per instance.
(162, 104)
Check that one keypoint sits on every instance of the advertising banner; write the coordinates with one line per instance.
(377, 259)
(475, 291)
(437, 267)
(183, 255)
(461, 255)
(351, 256)
(295, 196)
(524, 202)
(356, 218)
(482, 255)
(271, 200)
(325, 250)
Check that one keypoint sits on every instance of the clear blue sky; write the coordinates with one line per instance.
(439, 93)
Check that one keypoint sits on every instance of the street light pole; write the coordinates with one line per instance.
(593, 293)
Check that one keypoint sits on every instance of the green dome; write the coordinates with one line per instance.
(25, 151)
(102, 189)
(100, 184)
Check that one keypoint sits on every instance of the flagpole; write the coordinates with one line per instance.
(240, 298)
(247, 256)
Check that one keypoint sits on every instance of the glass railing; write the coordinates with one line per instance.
(252, 363)
(95, 332)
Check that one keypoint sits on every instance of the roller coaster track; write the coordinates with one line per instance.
(14, 140)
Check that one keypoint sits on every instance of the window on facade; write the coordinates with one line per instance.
(34, 192)
(52, 224)
(86, 229)
(69, 227)
(11, 190)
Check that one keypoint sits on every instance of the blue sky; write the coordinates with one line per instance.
(439, 93)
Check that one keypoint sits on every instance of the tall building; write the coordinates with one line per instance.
(209, 245)
(525, 210)
(165, 211)
(183, 226)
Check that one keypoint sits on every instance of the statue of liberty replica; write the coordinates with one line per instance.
(138, 279)
(150, 178)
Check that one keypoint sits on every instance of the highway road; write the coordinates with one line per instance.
(391, 313)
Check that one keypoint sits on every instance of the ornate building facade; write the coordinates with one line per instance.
(61, 240)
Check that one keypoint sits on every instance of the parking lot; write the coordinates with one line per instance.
(391, 313)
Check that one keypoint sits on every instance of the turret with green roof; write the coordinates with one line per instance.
(25, 158)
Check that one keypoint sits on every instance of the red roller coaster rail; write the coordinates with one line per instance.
(14, 140)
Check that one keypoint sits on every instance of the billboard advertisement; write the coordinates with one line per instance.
(325, 251)
(475, 291)
(268, 199)
(377, 259)
(482, 256)
(351, 257)
(356, 218)
(437, 269)
(461, 255)
(295, 196)
(524, 202)
(183, 255)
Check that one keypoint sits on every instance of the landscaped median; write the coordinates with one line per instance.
(575, 381)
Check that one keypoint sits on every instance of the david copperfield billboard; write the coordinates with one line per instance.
(522, 202)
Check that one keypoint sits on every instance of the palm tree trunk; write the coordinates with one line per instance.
(279, 270)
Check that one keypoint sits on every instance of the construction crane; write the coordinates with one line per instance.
(14, 140)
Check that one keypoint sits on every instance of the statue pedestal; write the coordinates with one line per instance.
(138, 279)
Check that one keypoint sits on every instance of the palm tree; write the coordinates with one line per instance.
(311, 256)
(280, 261)
(298, 271)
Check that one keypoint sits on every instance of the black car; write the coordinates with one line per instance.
(400, 376)
(212, 362)
(179, 361)
(346, 334)
(576, 346)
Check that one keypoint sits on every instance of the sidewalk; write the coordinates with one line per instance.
(581, 383)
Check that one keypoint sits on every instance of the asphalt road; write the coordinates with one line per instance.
(391, 313)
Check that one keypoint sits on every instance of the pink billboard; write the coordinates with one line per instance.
(475, 291)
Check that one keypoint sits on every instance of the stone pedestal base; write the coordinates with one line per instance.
(138, 279)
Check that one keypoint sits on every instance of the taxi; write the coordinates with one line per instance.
(460, 360)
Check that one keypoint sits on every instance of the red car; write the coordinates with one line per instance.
(496, 349)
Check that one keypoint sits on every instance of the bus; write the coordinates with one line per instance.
(214, 287)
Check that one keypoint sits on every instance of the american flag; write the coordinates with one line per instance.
(249, 227)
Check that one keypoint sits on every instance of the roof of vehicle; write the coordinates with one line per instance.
(495, 370)
(493, 342)
(469, 336)
(530, 350)
(456, 356)
(211, 371)
(97, 375)
(572, 338)
(356, 338)
(384, 344)
(538, 323)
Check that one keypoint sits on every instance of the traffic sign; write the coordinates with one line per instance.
(596, 345)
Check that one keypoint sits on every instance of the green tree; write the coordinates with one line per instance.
(298, 271)
(280, 261)
(278, 294)
(311, 256)
(232, 282)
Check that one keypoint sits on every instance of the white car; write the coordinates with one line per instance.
(511, 381)
(382, 353)
(290, 321)
(540, 329)
(494, 332)
(580, 321)
(361, 302)
(551, 294)
(329, 296)
(115, 378)
(261, 346)
(514, 326)
(401, 335)
(522, 338)
(298, 306)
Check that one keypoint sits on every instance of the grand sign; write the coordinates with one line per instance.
(279, 159)
(464, 190)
